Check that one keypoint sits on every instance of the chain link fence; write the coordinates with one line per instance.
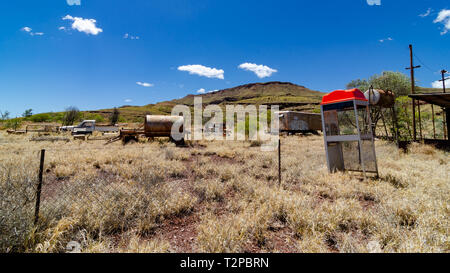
(18, 177)
(108, 196)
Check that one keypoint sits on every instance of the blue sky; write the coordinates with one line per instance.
(101, 54)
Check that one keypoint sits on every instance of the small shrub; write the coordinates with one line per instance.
(256, 143)
(396, 182)
(211, 190)
(14, 123)
(114, 117)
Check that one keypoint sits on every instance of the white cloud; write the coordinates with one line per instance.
(387, 39)
(203, 71)
(73, 2)
(203, 91)
(438, 84)
(260, 70)
(84, 25)
(29, 30)
(444, 18)
(145, 84)
(131, 37)
(427, 13)
(128, 100)
(374, 2)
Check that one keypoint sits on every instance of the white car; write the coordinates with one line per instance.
(67, 128)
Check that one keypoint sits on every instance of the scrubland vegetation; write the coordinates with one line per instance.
(219, 197)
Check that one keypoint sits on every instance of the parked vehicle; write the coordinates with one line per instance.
(66, 128)
(88, 127)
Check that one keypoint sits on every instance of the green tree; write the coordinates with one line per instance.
(4, 115)
(27, 113)
(362, 85)
(396, 82)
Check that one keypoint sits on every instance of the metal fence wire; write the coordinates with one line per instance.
(36, 189)
(18, 176)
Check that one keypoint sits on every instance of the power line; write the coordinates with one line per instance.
(426, 66)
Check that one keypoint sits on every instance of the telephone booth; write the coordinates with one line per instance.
(347, 131)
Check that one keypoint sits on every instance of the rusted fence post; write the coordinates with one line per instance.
(39, 187)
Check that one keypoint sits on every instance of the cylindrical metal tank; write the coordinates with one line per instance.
(161, 126)
(381, 98)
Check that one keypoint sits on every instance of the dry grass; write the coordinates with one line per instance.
(220, 197)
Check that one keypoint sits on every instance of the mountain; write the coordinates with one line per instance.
(257, 93)
(285, 94)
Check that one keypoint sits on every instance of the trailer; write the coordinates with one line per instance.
(155, 126)
(293, 122)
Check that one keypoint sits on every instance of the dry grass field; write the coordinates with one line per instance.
(220, 197)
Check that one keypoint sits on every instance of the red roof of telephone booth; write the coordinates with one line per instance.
(343, 95)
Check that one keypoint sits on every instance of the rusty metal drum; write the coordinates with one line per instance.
(380, 98)
(161, 126)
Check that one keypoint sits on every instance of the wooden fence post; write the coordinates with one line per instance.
(39, 187)
(279, 160)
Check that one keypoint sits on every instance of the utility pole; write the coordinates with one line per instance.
(445, 114)
(443, 72)
(412, 67)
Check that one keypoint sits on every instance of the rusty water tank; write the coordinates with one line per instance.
(381, 98)
(161, 126)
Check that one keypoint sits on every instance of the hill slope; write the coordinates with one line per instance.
(258, 93)
(287, 95)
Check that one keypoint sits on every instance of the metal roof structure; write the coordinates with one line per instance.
(440, 99)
